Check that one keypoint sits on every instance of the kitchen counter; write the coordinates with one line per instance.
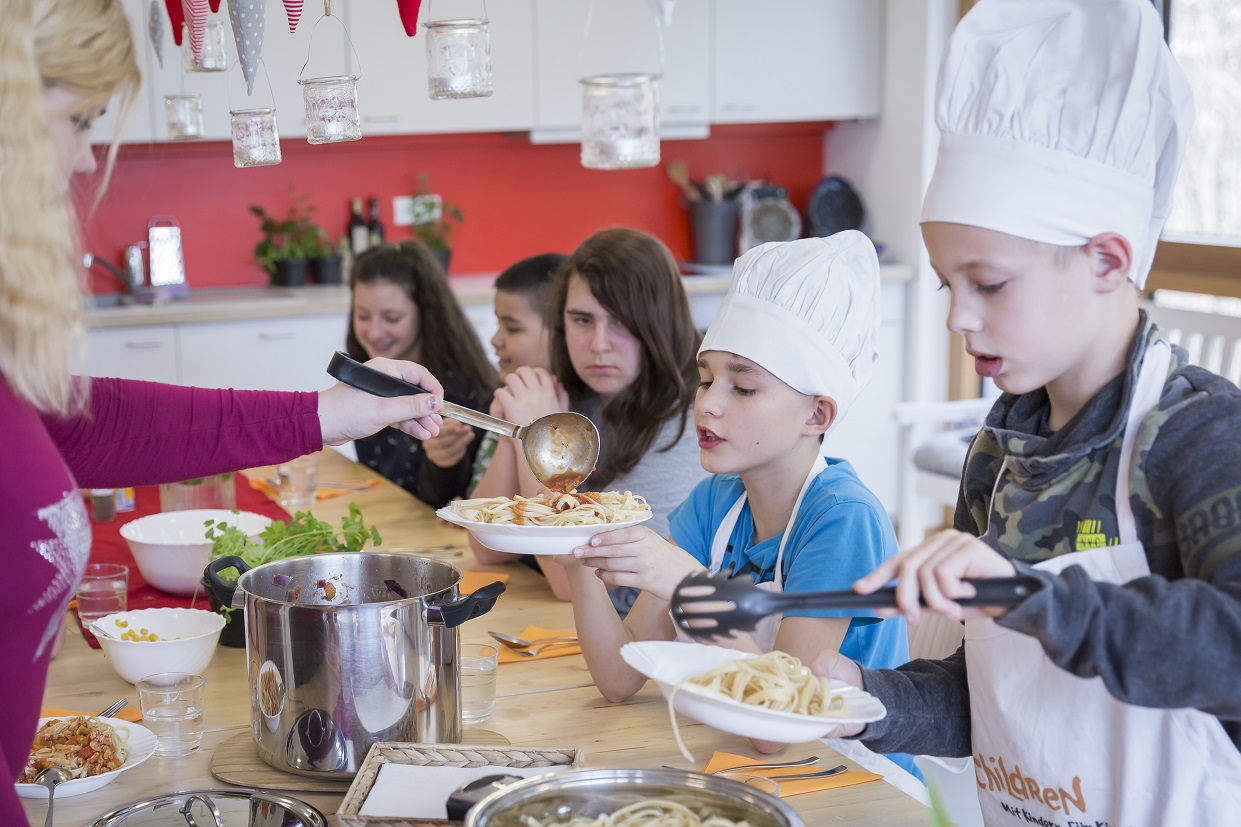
(233, 304)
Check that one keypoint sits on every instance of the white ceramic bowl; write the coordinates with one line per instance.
(188, 638)
(140, 745)
(531, 539)
(171, 549)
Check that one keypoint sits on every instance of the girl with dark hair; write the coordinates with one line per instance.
(623, 352)
(402, 305)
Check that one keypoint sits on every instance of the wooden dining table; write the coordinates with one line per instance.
(545, 702)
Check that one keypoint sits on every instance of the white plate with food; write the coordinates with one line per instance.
(774, 676)
(66, 742)
(556, 524)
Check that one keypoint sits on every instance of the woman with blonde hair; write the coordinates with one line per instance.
(61, 62)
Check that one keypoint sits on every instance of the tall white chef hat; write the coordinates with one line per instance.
(807, 311)
(1060, 120)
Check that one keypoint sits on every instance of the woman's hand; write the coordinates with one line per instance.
(347, 413)
(637, 557)
(529, 393)
(447, 448)
(836, 666)
(935, 570)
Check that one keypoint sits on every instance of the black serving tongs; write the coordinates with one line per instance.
(709, 606)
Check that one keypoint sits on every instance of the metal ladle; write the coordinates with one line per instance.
(561, 448)
(49, 778)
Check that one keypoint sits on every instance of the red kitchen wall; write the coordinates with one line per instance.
(518, 198)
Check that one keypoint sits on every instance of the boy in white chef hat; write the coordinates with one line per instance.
(791, 346)
(1109, 470)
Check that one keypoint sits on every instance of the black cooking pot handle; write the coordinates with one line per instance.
(376, 382)
(224, 589)
(466, 607)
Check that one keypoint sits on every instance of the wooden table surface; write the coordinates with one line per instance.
(549, 702)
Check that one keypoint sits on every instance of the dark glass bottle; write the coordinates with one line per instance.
(375, 224)
(358, 231)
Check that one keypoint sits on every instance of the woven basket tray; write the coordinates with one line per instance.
(441, 755)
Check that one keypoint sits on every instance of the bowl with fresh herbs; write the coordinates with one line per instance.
(170, 548)
(303, 534)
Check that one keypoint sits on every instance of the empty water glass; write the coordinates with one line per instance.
(458, 59)
(331, 109)
(620, 121)
(184, 112)
(256, 139)
(299, 480)
(172, 708)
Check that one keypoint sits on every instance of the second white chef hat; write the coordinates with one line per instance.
(1060, 120)
(807, 311)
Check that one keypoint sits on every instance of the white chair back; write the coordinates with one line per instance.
(1212, 340)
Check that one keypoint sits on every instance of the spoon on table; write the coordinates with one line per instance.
(561, 448)
(49, 778)
(521, 643)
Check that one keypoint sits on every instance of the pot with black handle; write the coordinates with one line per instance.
(347, 650)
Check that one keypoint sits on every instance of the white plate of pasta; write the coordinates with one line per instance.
(555, 524)
(777, 680)
(61, 744)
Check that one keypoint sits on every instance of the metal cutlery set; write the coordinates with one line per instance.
(530, 648)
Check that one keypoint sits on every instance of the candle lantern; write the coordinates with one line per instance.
(256, 139)
(184, 113)
(212, 56)
(458, 59)
(620, 121)
(331, 101)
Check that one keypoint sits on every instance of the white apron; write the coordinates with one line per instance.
(1051, 748)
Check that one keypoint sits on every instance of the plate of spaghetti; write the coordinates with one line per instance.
(773, 696)
(94, 751)
(553, 524)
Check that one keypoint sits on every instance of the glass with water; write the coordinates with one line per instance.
(104, 590)
(478, 681)
(172, 708)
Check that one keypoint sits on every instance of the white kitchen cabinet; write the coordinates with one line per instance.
(621, 39)
(796, 60)
(392, 92)
(138, 126)
(133, 353)
(285, 354)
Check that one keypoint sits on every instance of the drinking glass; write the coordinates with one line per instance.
(184, 112)
(172, 708)
(299, 480)
(478, 681)
(256, 139)
(620, 121)
(216, 491)
(104, 590)
(458, 59)
(331, 109)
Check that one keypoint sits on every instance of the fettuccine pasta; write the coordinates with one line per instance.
(83, 746)
(572, 509)
(657, 812)
(776, 681)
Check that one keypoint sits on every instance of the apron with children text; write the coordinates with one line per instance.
(1051, 748)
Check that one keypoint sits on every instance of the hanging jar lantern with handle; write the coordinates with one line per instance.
(331, 100)
(459, 57)
(620, 110)
(256, 138)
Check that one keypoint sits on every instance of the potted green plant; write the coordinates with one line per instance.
(434, 220)
(289, 243)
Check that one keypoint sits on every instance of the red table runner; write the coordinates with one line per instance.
(108, 546)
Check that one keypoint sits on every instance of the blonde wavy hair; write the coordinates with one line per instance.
(85, 47)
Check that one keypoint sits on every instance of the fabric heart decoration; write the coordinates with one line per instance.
(195, 12)
(409, 15)
(247, 17)
(293, 8)
(176, 16)
(155, 30)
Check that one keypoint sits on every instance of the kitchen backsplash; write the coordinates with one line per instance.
(518, 198)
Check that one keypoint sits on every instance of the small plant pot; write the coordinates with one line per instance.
(443, 256)
(327, 270)
(234, 632)
(290, 272)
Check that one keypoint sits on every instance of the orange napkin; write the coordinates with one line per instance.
(472, 581)
(128, 713)
(321, 493)
(531, 633)
(726, 760)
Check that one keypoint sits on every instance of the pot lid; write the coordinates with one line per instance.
(214, 808)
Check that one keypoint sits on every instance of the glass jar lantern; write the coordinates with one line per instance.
(458, 59)
(211, 55)
(256, 139)
(331, 109)
(620, 121)
(184, 114)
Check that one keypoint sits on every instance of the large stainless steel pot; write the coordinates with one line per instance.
(346, 650)
(590, 793)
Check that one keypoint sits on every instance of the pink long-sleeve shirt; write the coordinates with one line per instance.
(132, 433)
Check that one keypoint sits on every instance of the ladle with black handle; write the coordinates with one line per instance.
(561, 448)
(709, 606)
